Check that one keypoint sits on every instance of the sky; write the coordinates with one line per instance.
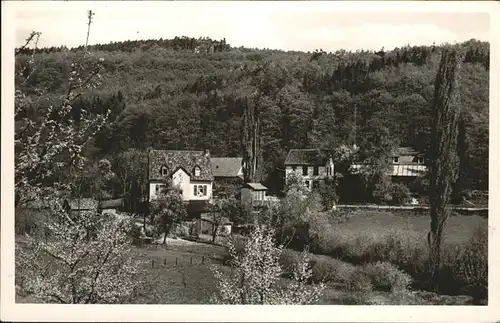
(289, 26)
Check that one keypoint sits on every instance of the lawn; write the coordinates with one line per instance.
(181, 275)
(179, 272)
(459, 228)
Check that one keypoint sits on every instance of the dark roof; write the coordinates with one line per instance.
(37, 205)
(256, 186)
(305, 157)
(175, 159)
(408, 170)
(111, 204)
(227, 166)
(82, 204)
(405, 151)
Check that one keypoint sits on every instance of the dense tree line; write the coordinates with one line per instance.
(188, 93)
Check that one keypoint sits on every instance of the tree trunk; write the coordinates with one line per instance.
(214, 233)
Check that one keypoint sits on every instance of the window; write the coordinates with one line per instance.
(315, 184)
(328, 171)
(294, 168)
(306, 183)
(395, 160)
(304, 170)
(420, 160)
(164, 170)
(316, 171)
(197, 171)
(159, 188)
(200, 190)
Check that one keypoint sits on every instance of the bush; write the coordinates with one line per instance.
(472, 265)
(30, 222)
(288, 261)
(386, 277)
(328, 195)
(359, 282)
(180, 230)
(401, 247)
(330, 270)
(135, 233)
(400, 194)
(465, 267)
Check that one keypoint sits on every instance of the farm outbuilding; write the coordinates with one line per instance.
(110, 206)
(253, 193)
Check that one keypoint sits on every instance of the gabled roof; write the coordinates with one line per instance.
(175, 159)
(37, 205)
(111, 204)
(82, 204)
(405, 151)
(256, 186)
(408, 170)
(305, 157)
(398, 170)
(227, 166)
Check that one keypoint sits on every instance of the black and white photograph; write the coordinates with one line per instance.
(248, 153)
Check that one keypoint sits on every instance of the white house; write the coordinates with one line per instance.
(406, 164)
(310, 164)
(190, 170)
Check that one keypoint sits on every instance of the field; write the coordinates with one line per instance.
(185, 276)
(179, 272)
(459, 228)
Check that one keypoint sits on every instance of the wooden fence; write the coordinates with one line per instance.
(180, 262)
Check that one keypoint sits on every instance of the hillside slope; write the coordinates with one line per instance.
(177, 94)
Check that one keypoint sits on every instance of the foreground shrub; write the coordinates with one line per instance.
(87, 261)
(359, 282)
(387, 277)
(330, 270)
(465, 267)
(256, 276)
(30, 222)
(404, 248)
(400, 194)
(472, 265)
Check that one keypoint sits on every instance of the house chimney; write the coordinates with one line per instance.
(207, 153)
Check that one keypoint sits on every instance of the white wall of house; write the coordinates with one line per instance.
(322, 171)
(258, 195)
(155, 189)
(182, 180)
(188, 190)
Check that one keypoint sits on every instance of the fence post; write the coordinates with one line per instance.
(191, 261)
(153, 263)
(165, 262)
(203, 259)
(175, 261)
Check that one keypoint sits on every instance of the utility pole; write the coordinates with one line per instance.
(91, 14)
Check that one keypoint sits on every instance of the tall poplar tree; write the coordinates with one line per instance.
(444, 159)
(251, 142)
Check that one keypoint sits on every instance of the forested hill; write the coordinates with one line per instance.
(189, 93)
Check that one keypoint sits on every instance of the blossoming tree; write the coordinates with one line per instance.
(256, 275)
(83, 258)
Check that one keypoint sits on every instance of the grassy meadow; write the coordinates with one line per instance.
(459, 228)
(179, 272)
